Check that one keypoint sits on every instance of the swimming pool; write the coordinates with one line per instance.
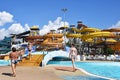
(82, 78)
(4, 62)
(106, 69)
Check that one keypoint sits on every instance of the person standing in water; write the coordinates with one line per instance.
(72, 55)
(14, 59)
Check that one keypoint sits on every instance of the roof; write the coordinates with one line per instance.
(21, 34)
(34, 28)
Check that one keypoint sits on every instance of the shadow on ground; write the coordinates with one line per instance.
(7, 74)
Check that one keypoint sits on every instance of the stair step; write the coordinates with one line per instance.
(35, 61)
(28, 64)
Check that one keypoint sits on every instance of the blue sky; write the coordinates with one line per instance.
(100, 14)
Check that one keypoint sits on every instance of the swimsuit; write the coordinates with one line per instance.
(29, 50)
(14, 61)
(73, 55)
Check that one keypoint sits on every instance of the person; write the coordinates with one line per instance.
(30, 50)
(14, 60)
(22, 51)
(57, 47)
(72, 55)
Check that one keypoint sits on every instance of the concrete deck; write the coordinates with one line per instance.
(37, 73)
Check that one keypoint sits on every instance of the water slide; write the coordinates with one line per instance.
(92, 33)
(53, 35)
(73, 35)
(52, 54)
(98, 34)
(78, 35)
(90, 30)
(52, 40)
(86, 30)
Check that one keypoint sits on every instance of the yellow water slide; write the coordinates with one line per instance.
(52, 39)
(53, 35)
(78, 35)
(97, 34)
(89, 40)
(90, 30)
(86, 30)
(73, 35)
(92, 33)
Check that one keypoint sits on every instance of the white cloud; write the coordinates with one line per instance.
(53, 26)
(26, 27)
(13, 29)
(117, 25)
(16, 28)
(5, 17)
(3, 33)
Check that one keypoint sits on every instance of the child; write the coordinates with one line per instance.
(14, 60)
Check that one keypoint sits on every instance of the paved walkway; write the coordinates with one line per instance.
(37, 73)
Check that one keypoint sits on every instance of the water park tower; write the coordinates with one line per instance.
(81, 25)
(34, 31)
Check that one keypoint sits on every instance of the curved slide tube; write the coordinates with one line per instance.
(53, 35)
(86, 30)
(52, 54)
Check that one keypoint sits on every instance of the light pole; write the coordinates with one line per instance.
(64, 10)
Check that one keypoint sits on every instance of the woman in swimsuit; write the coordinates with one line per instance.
(72, 55)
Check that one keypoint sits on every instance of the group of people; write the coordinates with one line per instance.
(15, 54)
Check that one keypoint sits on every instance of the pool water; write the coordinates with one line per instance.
(4, 62)
(106, 69)
(81, 78)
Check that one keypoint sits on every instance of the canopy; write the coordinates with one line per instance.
(64, 27)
